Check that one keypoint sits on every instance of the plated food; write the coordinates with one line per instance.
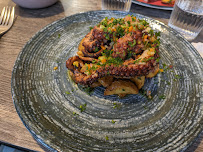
(162, 1)
(157, 4)
(117, 54)
(52, 108)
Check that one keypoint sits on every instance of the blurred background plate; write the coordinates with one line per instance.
(154, 4)
(48, 102)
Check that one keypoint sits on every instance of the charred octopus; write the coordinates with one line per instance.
(124, 48)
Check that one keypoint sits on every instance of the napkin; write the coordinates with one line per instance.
(199, 47)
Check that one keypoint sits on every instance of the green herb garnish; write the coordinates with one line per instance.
(67, 92)
(136, 61)
(113, 121)
(162, 97)
(157, 34)
(74, 113)
(177, 76)
(88, 90)
(116, 105)
(96, 49)
(132, 44)
(83, 107)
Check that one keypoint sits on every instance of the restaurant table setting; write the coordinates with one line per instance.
(43, 109)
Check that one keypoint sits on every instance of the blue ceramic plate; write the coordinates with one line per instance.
(49, 103)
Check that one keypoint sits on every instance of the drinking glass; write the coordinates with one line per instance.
(121, 5)
(187, 18)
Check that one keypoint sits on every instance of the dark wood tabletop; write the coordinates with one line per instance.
(27, 23)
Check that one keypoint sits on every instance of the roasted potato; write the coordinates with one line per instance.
(139, 81)
(71, 75)
(121, 87)
(121, 95)
(80, 53)
(80, 48)
(95, 84)
(153, 73)
(106, 81)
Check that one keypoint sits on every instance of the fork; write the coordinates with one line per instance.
(6, 19)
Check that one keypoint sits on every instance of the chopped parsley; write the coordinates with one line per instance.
(96, 49)
(177, 76)
(116, 61)
(157, 60)
(107, 52)
(116, 105)
(74, 113)
(133, 19)
(113, 121)
(157, 34)
(132, 44)
(151, 32)
(83, 107)
(130, 54)
(120, 31)
(145, 60)
(162, 97)
(143, 22)
(106, 137)
(67, 92)
(88, 90)
(137, 61)
(128, 23)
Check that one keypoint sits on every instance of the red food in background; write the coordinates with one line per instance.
(157, 2)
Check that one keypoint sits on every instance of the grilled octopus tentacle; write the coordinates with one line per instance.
(127, 70)
(92, 41)
(130, 49)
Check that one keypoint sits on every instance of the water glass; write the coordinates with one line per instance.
(121, 5)
(187, 18)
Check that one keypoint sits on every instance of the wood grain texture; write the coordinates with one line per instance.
(28, 22)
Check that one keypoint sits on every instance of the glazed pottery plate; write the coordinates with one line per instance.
(61, 116)
(154, 4)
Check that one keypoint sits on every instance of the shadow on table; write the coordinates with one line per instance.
(151, 12)
(52, 10)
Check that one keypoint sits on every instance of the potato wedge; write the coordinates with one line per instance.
(80, 48)
(139, 81)
(106, 81)
(120, 87)
(154, 72)
(95, 84)
(79, 53)
(121, 95)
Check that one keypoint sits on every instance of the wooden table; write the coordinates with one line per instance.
(28, 22)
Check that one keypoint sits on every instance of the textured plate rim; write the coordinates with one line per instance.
(39, 140)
